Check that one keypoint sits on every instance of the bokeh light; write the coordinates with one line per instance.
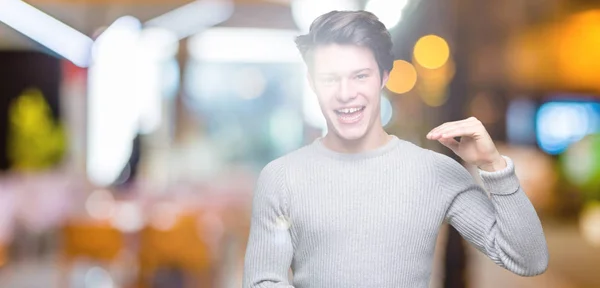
(581, 165)
(386, 111)
(97, 277)
(305, 12)
(403, 77)
(559, 55)
(431, 51)
(128, 217)
(561, 123)
(100, 204)
(433, 97)
(589, 223)
(432, 84)
(578, 49)
(388, 12)
(164, 216)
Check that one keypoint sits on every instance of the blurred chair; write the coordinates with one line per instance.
(177, 247)
(98, 242)
(3, 254)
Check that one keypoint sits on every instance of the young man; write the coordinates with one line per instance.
(361, 208)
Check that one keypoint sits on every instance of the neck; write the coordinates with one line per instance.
(370, 141)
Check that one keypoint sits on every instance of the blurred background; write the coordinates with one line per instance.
(132, 131)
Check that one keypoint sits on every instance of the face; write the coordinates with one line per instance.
(347, 83)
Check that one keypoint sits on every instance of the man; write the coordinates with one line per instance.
(361, 208)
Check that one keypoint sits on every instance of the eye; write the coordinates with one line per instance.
(362, 76)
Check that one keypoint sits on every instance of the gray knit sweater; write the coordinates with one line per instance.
(371, 219)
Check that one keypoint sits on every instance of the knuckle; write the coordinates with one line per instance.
(474, 119)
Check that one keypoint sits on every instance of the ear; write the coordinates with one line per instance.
(384, 78)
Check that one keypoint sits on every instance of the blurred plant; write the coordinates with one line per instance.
(35, 141)
(581, 166)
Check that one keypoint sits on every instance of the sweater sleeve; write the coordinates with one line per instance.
(269, 250)
(504, 225)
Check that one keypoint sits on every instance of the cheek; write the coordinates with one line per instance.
(371, 92)
(326, 97)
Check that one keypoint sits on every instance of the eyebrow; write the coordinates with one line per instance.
(351, 73)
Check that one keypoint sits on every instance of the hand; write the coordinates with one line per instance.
(475, 145)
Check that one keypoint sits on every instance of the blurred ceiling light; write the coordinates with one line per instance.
(389, 12)
(126, 85)
(431, 51)
(158, 43)
(305, 12)
(403, 77)
(44, 29)
(123, 32)
(245, 45)
(156, 46)
(112, 119)
(194, 17)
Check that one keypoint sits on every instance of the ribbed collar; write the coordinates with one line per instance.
(321, 148)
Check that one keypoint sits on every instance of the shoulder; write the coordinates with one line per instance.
(441, 160)
(280, 166)
(424, 155)
(442, 166)
(273, 180)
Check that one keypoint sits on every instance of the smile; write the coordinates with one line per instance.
(350, 115)
(349, 110)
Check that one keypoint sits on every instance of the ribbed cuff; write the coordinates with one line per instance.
(503, 182)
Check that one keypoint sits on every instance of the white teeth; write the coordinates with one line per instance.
(349, 110)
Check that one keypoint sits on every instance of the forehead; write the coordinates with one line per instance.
(342, 59)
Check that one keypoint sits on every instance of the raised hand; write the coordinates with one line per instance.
(475, 145)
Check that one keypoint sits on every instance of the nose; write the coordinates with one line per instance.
(346, 91)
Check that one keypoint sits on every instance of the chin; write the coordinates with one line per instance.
(351, 133)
